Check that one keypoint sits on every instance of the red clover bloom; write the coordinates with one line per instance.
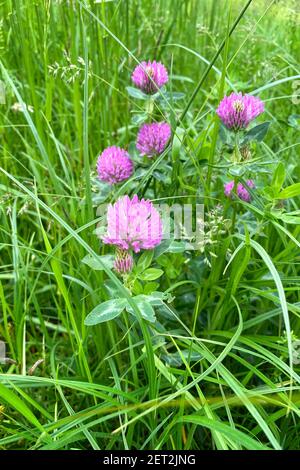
(114, 165)
(237, 110)
(150, 76)
(152, 138)
(241, 190)
(133, 224)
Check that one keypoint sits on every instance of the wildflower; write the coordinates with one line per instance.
(241, 191)
(114, 165)
(123, 263)
(133, 224)
(152, 138)
(237, 110)
(150, 76)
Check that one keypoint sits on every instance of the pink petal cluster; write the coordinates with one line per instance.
(152, 138)
(114, 165)
(241, 190)
(150, 76)
(133, 224)
(237, 110)
(123, 263)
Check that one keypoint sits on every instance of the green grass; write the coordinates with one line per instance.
(217, 370)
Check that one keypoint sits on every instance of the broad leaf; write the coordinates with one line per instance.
(293, 120)
(151, 274)
(146, 309)
(97, 263)
(223, 134)
(111, 289)
(150, 287)
(139, 118)
(105, 311)
(177, 247)
(137, 287)
(170, 246)
(257, 133)
(237, 170)
(136, 93)
(163, 247)
(145, 260)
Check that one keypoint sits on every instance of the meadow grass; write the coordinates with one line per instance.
(219, 368)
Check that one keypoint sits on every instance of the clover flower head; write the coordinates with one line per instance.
(237, 110)
(123, 263)
(152, 138)
(133, 224)
(114, 165)
(241, 191)
(150, 76)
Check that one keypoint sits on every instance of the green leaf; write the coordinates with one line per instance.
(289, 219)
(237, 170)
(100, 262)
(136, 93)
(155, 300)
(281, 292)
(139, 118)
(177, 247)
(269, 192)
(175, 359)
(177, 143)
(145, 308)
(150, 287)
(290, 191)
(170, 246)
(257, 133)
(293, 120)
(20, 406)
(145, 260)
(105, 311)
(111, 289)
(174, 96)
(223, 134)
(151, 274)
(279, 177)
(231, 433)
(137, 287)
(163, 247)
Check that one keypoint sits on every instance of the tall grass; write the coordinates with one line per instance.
(218, 370)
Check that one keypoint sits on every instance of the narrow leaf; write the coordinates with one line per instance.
(290, 191)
